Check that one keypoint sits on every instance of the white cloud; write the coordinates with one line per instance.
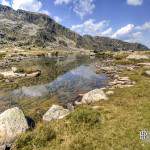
(59, 2)
(132, 33)
(5, 2)
(124, 31)
(83, 7)
(129, 33)
(134, 2)
(46, 12)
(90, 27)
(80, 7)
(145, 26)
(107, 32)
(30, 5)
(57, 19)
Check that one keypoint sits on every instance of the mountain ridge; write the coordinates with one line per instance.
(23, 28)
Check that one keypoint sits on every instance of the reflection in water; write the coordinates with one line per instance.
(67, 87)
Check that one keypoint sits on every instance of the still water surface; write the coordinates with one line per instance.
(67, 87)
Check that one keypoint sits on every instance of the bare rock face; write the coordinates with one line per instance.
(94, 96)
(12, 124)
(55, 112)
(36, 29)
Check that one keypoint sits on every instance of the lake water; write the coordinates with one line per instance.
(67, 86)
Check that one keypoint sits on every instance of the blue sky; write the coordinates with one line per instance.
(128, 20)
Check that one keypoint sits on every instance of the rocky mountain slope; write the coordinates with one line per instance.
(28, 29)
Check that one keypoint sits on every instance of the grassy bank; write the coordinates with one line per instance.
(115, 125)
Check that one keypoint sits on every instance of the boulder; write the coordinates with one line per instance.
(55, 112)
(93, 96)
(12, 124)
(147, 73)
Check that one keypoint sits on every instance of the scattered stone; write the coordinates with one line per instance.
(34, 74)
(55, 112)
(137, 57)
(130, 68)
(121, 82)
(12, 124)
(147, 73)
(14, 69)
(109, 92)
(144, 64)
(96, 107)
(7, 81)
(11, 74)
(70, 107)
(107, 69)
(93, 96)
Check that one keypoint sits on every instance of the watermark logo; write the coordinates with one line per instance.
(145, 135)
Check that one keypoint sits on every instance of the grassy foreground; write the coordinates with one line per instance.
(116, 124)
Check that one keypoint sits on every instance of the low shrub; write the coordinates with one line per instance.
(36, 139)
(86, 116)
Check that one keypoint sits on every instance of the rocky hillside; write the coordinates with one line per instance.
(23, 28)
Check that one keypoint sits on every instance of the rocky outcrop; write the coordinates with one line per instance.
(93, 96)
(55, 112)
(12, 124)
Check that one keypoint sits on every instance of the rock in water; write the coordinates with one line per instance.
(55, 112)
(12, 124)
(94, 96)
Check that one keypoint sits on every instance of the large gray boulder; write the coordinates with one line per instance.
(94, 96)
(12, 124)
(55, 112)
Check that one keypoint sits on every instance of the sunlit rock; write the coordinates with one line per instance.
(12, 124)
(55, 112)
(94, 96)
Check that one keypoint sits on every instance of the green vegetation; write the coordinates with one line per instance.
(104, 55)
(2, 55)
(116, 124)
(37, 139)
